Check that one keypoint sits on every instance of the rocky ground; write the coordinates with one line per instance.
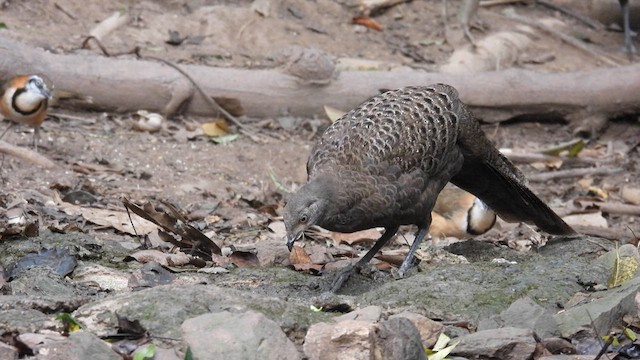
(67, 246)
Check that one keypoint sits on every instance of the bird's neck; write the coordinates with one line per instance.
(26, 102)
(325, 189)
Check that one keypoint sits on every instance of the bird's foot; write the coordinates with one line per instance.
(342, 277)
(405, 267)
(630, 49)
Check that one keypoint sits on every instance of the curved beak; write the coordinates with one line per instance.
(45, 92)
(292, 238)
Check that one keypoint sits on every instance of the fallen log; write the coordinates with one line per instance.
(130, 84)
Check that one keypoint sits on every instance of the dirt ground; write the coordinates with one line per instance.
(103, 155)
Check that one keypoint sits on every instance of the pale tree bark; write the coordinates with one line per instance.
(129, 84)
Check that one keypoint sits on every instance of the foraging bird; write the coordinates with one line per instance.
(384, 163)
(24, 99)
(628, 41)
(459, 214)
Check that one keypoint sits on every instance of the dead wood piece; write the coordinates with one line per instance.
(612, 207)
(594, 24)
(546, 176)
(527, 157)
(562, 36)
(586, 20)
(368, 7)
(128, 85)
(109, 25)
(488, 3)
(211, 102)
(26, 155)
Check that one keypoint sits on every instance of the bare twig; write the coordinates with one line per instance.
(26, 155)
(108, 25)
(586, 20)
(612, 207)
(545, 176)
(562, 36)
(59, 7)
(367, 7)
(527, 157)
(210, 101)
(489, 3)
(607, 233)
(214, 105)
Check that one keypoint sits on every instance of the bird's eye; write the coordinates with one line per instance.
(303, 219)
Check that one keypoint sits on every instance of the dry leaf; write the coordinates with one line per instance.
(164, 259)
(366, 22)
(244, 259)
(172, 221)
(219, 127)
(624, 268)
(598, 192)
(302, 262)
(299, 256)
(118, 220)
(332, 113)
(571, 148)
(278, 228)
(355, 237)
(590, 219)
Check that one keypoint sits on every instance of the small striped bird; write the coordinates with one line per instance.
(459, 214)
(24, 100)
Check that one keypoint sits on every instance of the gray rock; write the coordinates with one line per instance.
(399, 339)
(604, 309)
(524, 313)
(25, 321)
(369, 314)
(429, 330)
(88, 346)
(505, 344)
(162, 309)
(567, 357)
(41, 281)
(396, 338)
(47, 346)
(167, 354)
(8, 352)
(80, 345)
(349, 339)
(241, 336)
(480, 289)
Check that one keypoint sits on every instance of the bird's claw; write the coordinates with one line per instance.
(405, 267)
(342, 277)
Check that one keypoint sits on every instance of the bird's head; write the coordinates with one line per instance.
(307, 207)
(36, 86)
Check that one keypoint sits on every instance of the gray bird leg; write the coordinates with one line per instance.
(36, 137)
(346, 272)
(408, 260)
(7, 129)
(628, 41)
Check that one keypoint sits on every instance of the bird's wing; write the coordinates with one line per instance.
(490, 176)
(408, 129)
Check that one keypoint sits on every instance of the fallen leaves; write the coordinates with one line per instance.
(367, 22)
(625, 266)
